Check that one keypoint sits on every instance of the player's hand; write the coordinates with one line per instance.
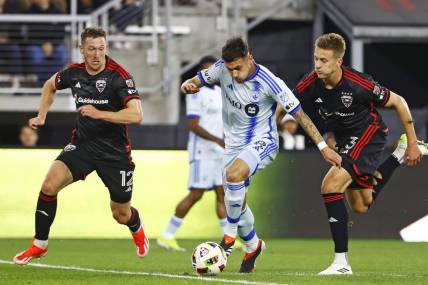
(36, 122)
(220, 142)
(188, 87)
(89, 111)
(412, 155)
(331, 157)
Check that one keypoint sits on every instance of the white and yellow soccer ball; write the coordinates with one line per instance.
(209, 258)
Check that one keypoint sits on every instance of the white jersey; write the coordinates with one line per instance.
(249, 107)
(205, 105)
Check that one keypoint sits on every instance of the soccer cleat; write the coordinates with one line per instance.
(169, 244)
(141, 242)
(249, 262)
(402, 146)
(239, 245)
(337, 269)
(227, 243)
(27, 255)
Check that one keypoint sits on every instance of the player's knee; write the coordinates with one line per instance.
(195, 196)
(327, 187)
(120, 217)
(49, 188)
(234, 175)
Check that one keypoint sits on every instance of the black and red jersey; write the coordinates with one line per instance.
(348, 108)
(109, 90)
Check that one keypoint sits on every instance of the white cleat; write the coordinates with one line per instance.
(337, 269)
(402, 146)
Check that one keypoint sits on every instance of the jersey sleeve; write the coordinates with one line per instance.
(379, 95)
(126, 89)
(62, 79)
(211, 76)
(284, 97)
(193, 105)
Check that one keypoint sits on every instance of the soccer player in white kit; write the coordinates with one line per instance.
(205, 148)
(250, 94)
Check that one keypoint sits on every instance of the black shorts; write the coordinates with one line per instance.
(361, 154)
(117, 175)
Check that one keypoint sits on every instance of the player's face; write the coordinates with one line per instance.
(241, 68)
(326, 62)
(94, 52)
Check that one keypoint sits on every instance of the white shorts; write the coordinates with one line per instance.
(205, 174)
(258, 154)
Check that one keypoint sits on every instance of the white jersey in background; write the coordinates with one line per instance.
(249, 107)
(205, 105)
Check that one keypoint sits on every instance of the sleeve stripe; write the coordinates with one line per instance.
(129, 98)
(192, 116)
(201, 78)
(268, 83)
(272, 80)
(295, 110)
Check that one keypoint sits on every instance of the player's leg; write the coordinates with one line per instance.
(219, 206)
(167, 240)
(360, 199)
(333, 186)
(68, 167)
(118, 178)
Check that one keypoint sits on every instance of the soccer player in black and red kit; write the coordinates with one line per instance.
(346, 101)
(107, 101)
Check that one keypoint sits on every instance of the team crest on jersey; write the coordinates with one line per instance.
(101, 85)
(129, 83)
(347, 99)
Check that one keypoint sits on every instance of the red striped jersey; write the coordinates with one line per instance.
(109, 90)
(347, 108)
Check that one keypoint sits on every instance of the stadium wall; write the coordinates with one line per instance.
(284, 198)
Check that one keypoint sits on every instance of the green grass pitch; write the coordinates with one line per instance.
(104, 261)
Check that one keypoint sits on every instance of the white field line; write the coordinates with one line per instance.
(155, 274)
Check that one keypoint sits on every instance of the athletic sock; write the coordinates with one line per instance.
(134, 222)
(45, 215)
(233, 200)
(341, 258)
(247, 231)
(172, 228)
(223, 223)
(338, 220)
(386, 169)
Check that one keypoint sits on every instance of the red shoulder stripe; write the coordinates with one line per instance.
(119, 69)
(302, 85)
(76, 65)
(358, 79)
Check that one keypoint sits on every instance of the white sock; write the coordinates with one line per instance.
(233, 199)
(172, 228)
(246, 230)
(223, 223)
(40, 243)
(341, 258)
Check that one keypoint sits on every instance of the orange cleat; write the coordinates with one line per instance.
(141, 242)
(249, 262)
(27, 255)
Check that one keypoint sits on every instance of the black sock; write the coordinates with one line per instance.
(386, 169)
(45, 215)
(134, 222)
(338, 219)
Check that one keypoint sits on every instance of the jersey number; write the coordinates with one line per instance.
(124, 175)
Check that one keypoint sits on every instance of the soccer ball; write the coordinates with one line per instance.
(209, 258)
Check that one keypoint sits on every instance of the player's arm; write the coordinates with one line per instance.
(311, 130)
(132, 114)
(47, 98)
(194, 126)
(412, 155)
(191, 85)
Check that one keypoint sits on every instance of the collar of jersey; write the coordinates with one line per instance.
(252, 75)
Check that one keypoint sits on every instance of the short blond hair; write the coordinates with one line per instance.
(332, 41)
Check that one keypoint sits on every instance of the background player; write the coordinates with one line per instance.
(347, 101)
(107, 101)
(205, 148)
(250, 96)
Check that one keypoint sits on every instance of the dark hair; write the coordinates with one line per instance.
(209, 59)
(92, 32)
(332, 41)
(234, 48)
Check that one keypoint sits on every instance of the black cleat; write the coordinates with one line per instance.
(227, 244)
(249, 262)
